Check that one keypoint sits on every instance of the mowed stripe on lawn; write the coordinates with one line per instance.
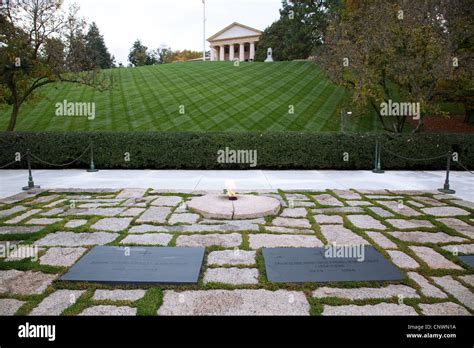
(217, 96)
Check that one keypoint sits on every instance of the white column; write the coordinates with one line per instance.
(231, 52)
(213, 53)
(241, 52)
(252, 51)
(222, 53)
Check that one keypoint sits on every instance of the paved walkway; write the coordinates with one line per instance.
(11, 181)
(422, 233)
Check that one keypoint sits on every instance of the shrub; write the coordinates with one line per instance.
(181, 150)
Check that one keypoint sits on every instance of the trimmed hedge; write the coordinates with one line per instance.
(181, 150)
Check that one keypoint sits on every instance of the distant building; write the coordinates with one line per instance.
(236, 41)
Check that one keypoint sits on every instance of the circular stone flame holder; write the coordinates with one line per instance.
(245, 207)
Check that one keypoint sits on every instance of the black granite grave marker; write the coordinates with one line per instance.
(138, 265)
(300, 265)
(468, 260)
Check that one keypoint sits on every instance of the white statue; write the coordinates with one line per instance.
(269, 56)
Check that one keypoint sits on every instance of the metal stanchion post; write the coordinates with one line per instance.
(92, 168)
(31, 183)
(377, 162)
(446, 188)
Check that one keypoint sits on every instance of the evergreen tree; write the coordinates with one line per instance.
(97, 50)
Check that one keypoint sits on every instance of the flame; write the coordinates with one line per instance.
(230, 187)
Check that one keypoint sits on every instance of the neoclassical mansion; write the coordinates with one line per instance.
(236, 41)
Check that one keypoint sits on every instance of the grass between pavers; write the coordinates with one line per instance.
(149, 304)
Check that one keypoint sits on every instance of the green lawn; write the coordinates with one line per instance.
(216, 97)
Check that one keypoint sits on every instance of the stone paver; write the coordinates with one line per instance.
(43, 199)
(148, 239)
(186, 218)
(296, 197)
(131, 193)
(133, 212)
(75, 223)
(346, 194)
(402, 260)
(109, 311)
(167, 201)
(234, 276)
(278, 229)
(443, 309)
(328, 219)
(426, 287)
(20, 229)
(409, 224)
(13, 210)
(234, 302)
(294, 213)
(426, 237)
(19, 218)
(53, 212)
(463, 203)
(381, 240)
(93, 212)
(433, 259)
(389, 291)
(206, 240)
(231, 257)
(229, 227)
(459, 226)
(455, 288)
(468, 279)
(43, 221)
(112, 224)
(154, 215)
(329, 200)
(401, 209)
(24, 283)
(429, 201)
(71, 239)
(341, 210)
(9, 306)
(57, 302)
(118, 295)
(340, 235)
(381, 212)
(358, 203)
(289, 222)
(63, 257)
(445, 211)
(380, 309)
(366, 222)
(257, 241)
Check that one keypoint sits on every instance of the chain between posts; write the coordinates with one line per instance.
(60, 165)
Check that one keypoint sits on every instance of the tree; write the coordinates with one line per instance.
(97, 50)
(140, 56)
(33, 32)
(391, 51)
(299, 29)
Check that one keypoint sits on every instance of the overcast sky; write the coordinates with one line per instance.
(175, 23)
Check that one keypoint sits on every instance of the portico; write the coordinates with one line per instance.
(236, 41)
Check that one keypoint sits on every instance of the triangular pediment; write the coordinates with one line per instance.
(233, 31)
